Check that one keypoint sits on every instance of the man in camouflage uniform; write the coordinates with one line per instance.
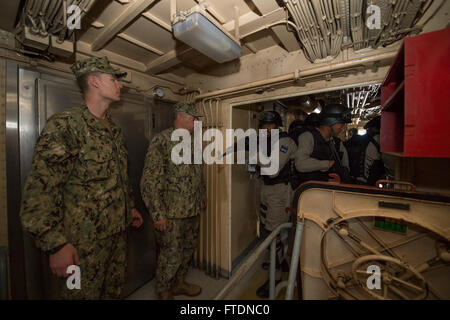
(173, 195)
(77, 202)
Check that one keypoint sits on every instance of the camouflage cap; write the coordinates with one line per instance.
(95, 64)
(187, 107)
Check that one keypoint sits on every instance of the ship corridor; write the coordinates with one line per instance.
(238, 59)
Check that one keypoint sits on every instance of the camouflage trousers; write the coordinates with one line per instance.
(103, 267)
(176, 246)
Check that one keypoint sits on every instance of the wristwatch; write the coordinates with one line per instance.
(56, 249)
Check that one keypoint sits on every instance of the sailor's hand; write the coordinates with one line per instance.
(161, 225)
(330, 164)
(61, 260)
(137, 218)
(334, 177)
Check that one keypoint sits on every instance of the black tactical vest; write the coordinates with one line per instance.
(357, 154)
(321, 151)
(296, 178)
(357, 158)
(285, 173)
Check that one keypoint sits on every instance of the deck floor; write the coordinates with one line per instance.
(244, 290)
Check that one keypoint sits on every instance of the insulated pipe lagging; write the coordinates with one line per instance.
(302, 7)
(43, 30)
(213, 209)
(84, 10)
(355, 27)
(317, 35)
(59, 16)
(216, 204)
(302, 23)
(36, 8)
(307, 39)
(44, 7)
(300, 26)
(331, 35)
(329, 68)
(62, 34)
(291, 12)
(339, 29)
(346, 17)
(50, 8)
(56, 9)
(211, 212)
(62, 16)
(29, 7)
(402, 15)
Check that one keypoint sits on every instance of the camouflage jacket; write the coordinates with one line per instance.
(170, 190)
(78, 188)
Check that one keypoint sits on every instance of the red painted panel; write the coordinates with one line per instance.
(425, 103)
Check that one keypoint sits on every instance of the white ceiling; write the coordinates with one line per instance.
(151, 41)
(139, 32)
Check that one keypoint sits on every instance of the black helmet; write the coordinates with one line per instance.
(268, 117)
(312, 120)
(374, 123)
(335, 113)
(296, 124)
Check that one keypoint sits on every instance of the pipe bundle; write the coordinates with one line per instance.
(49, 17)
(322, 25)
(319, 26)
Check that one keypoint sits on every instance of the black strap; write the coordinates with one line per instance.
(56, 249)
(334, 152)
(377, 145)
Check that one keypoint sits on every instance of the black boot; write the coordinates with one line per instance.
(284, 266)
(279, 256)
(263, 291)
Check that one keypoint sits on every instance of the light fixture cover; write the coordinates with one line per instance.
(202, 35)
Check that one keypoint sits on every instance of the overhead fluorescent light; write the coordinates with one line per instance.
(197, 31)
(362, 132)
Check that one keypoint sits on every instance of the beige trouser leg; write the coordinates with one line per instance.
(275, 199)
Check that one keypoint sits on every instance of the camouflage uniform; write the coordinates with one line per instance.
(174, 192)
(78, 192)
(103, 269)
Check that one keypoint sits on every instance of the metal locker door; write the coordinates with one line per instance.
(34, 107)
(55, 96)
(35, 96)
(131, 113)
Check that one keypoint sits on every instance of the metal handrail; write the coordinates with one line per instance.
(250, 261)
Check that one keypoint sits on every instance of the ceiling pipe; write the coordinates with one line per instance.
(298, 75)
(173, 10)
